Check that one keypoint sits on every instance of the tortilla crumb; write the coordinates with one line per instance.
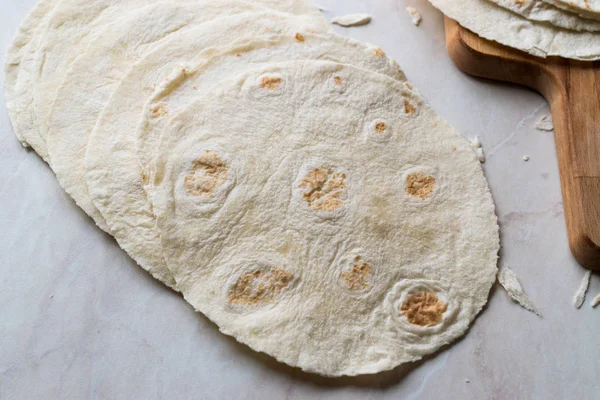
(260, 287)
(270, 82)
(420, 185)
(324, 187)
(209, 172)
(358, 277)
(423, 309)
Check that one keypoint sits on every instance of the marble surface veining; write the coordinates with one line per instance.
(78, 319)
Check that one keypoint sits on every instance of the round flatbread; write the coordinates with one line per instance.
(114, 174)
(585, 8)
(537, 10)
(500, 25)
(95, 74)
(18, 51)
(324, 215)
(67, 34)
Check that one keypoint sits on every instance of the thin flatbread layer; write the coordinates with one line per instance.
(325, 215)
(116, 178)
(585, 8)
(500, 25)
(66, 37)
(95, 74)
(195, 78)
(537, 10)
(18, 50)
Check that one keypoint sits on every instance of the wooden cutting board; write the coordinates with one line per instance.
(572, 89)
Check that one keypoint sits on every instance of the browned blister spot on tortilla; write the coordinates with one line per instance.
(145, 178)
(380, 127)
(338, 80)
(519, 2)
(423, 309)
(420, 185)
(379, 52)
(409, 108)
(270, 82)
(324, 189)
(358, 276)
(408, 86)
(299, 37)
(159, 110)
(260, 287)
(208, 173)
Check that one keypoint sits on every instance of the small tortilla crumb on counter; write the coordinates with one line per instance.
(352, 20)
(415, 15)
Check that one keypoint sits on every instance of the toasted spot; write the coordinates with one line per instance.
(238, 55)
(453, 148)
(380, 127)
(260, 287)
(420, 185)
(270, 82)
(299, 37)
(324, 187)
(209, 172)
(145, 178)
(409, 108)
(159, 110)
(379, 52)
(358, 277)
(423, 309)
(337, 80)
(408, 85)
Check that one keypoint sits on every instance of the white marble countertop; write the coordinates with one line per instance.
(78, 319)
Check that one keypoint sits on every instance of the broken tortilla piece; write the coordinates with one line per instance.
(476, 146)
(583, 288)
(545, 124)
(352, 20)
(596, 301)
(508, 280)
(415, 15)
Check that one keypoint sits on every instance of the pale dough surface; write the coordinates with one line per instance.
(290, 216)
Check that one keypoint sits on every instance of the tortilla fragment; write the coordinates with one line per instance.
(509, 281)
(352, 20)
(579, 297)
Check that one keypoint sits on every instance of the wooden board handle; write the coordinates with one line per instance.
(573, 90)
(575, 104)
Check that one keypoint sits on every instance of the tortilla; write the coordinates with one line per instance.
(19, 50)
(94, 75)
(113, 171)
(67, 35)
(537, 10)
(585, 8)
(500, 25)
(325, 215)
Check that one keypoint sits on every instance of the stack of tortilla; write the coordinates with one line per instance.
(543, 28)
(288, 181)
